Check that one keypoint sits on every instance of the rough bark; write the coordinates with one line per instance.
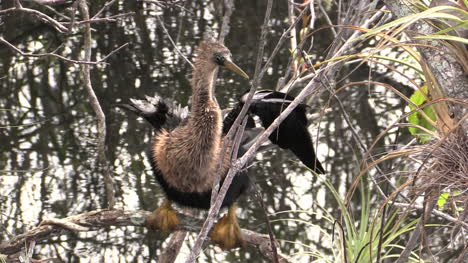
(102, 219)
(441, 60)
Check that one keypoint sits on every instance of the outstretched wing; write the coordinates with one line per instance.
(159, 112)
(292, 133)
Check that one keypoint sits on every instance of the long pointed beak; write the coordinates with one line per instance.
(234, 68)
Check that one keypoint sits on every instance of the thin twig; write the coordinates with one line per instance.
(41, 16)
(106, 5)
(434, 212)
(225, 28)
(112, 53)
(101, 118)
(52, 54)
(170, 253)
(293, 38)
(100, 20)
(172, 41)
(267, 221)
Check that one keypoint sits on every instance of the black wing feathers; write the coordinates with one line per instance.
(159, 112)
(292, 133)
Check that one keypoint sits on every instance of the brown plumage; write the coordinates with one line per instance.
(188, 156)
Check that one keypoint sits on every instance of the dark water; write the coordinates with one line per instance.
(48, 155)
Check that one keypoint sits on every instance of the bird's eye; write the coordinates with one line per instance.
(219, 59)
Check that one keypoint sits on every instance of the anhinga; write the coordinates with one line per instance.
(186, 148)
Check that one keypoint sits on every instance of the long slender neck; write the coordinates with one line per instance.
(202, 89)
(205, 122)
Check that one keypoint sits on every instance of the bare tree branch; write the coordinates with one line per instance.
(52, 54)
(101, 118)
(434, 212)
(39, 15)
(100, 20)
(102, 219)
(172, 41)
(170, 253)
(51, 2)
(106, 5)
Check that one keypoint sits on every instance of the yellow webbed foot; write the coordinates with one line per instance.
(164, 218)
(227, 233)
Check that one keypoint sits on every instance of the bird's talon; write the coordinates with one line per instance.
(164, 218)
(227, 233)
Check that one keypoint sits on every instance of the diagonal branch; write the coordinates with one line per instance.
(52, 54)
(39, 15)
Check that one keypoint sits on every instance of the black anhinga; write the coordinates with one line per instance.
(186, 148)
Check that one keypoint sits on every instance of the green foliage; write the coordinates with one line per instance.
(361, 235)
(356, 239)
(2, 258)
(442, 199)
(445, 196)
(416, 118)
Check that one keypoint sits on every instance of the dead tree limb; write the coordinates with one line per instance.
(103, 219)
(39, 15)
(52, 54)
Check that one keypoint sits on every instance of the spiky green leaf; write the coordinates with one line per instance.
(416, 118)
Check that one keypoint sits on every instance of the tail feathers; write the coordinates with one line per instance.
(292, 134)
(159, 112)
(306, 153)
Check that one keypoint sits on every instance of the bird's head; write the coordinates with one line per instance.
(213, 54)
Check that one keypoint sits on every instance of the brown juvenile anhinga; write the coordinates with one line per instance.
(186, 148)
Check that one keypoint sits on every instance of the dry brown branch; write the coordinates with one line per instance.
(100, 20)
(52, 54)
(172, 41)
(171, 251)
(434, 212)
(268, 223)
(103, 219)
(101, 118)
(39, 15)
(106, 5)
(51, 2)
(169, 254)
(225, 28)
